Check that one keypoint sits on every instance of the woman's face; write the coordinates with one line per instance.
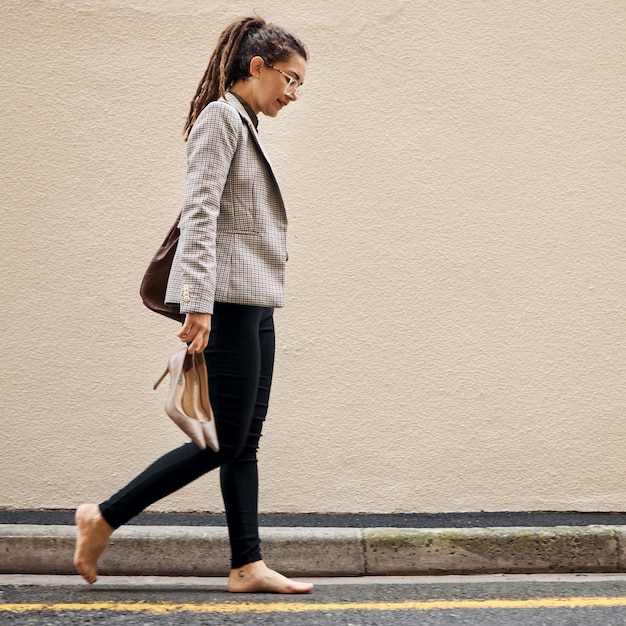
(274, 91)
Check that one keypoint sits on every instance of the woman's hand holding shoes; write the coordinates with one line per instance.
(195, 331)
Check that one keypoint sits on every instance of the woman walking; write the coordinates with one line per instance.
(227, 277)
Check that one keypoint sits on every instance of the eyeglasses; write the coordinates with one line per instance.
(292, 84)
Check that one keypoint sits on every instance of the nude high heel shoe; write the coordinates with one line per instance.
(181, 401)
(204, 411)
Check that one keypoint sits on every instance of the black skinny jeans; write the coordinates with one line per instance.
(240, 362)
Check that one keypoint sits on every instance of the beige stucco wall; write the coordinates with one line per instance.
(454, 337)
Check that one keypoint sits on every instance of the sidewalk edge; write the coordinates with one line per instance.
(306, 551)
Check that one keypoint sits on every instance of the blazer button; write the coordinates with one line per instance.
(186, 296)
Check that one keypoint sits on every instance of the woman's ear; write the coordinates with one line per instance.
(256, 65)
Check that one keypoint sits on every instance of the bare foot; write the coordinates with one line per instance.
(92, 537)
(259, 578)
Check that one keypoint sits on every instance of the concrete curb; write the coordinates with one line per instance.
(203, 551)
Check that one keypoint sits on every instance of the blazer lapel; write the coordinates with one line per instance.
(232, 100)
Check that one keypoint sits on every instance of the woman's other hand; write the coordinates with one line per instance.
(195, 331)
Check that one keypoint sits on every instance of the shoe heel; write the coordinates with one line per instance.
(165, 373)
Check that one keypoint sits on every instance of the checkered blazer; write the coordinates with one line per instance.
(233, 225)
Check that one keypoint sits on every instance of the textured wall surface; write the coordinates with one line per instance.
(454, 337)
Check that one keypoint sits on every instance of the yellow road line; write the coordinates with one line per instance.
(301, 607)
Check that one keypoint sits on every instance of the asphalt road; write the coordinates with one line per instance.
(480, 519)
(554, 600)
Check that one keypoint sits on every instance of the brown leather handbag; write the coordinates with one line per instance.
(154, 283)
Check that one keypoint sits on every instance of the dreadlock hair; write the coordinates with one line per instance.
(237, 45)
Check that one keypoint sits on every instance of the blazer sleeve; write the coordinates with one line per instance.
(211, 146)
